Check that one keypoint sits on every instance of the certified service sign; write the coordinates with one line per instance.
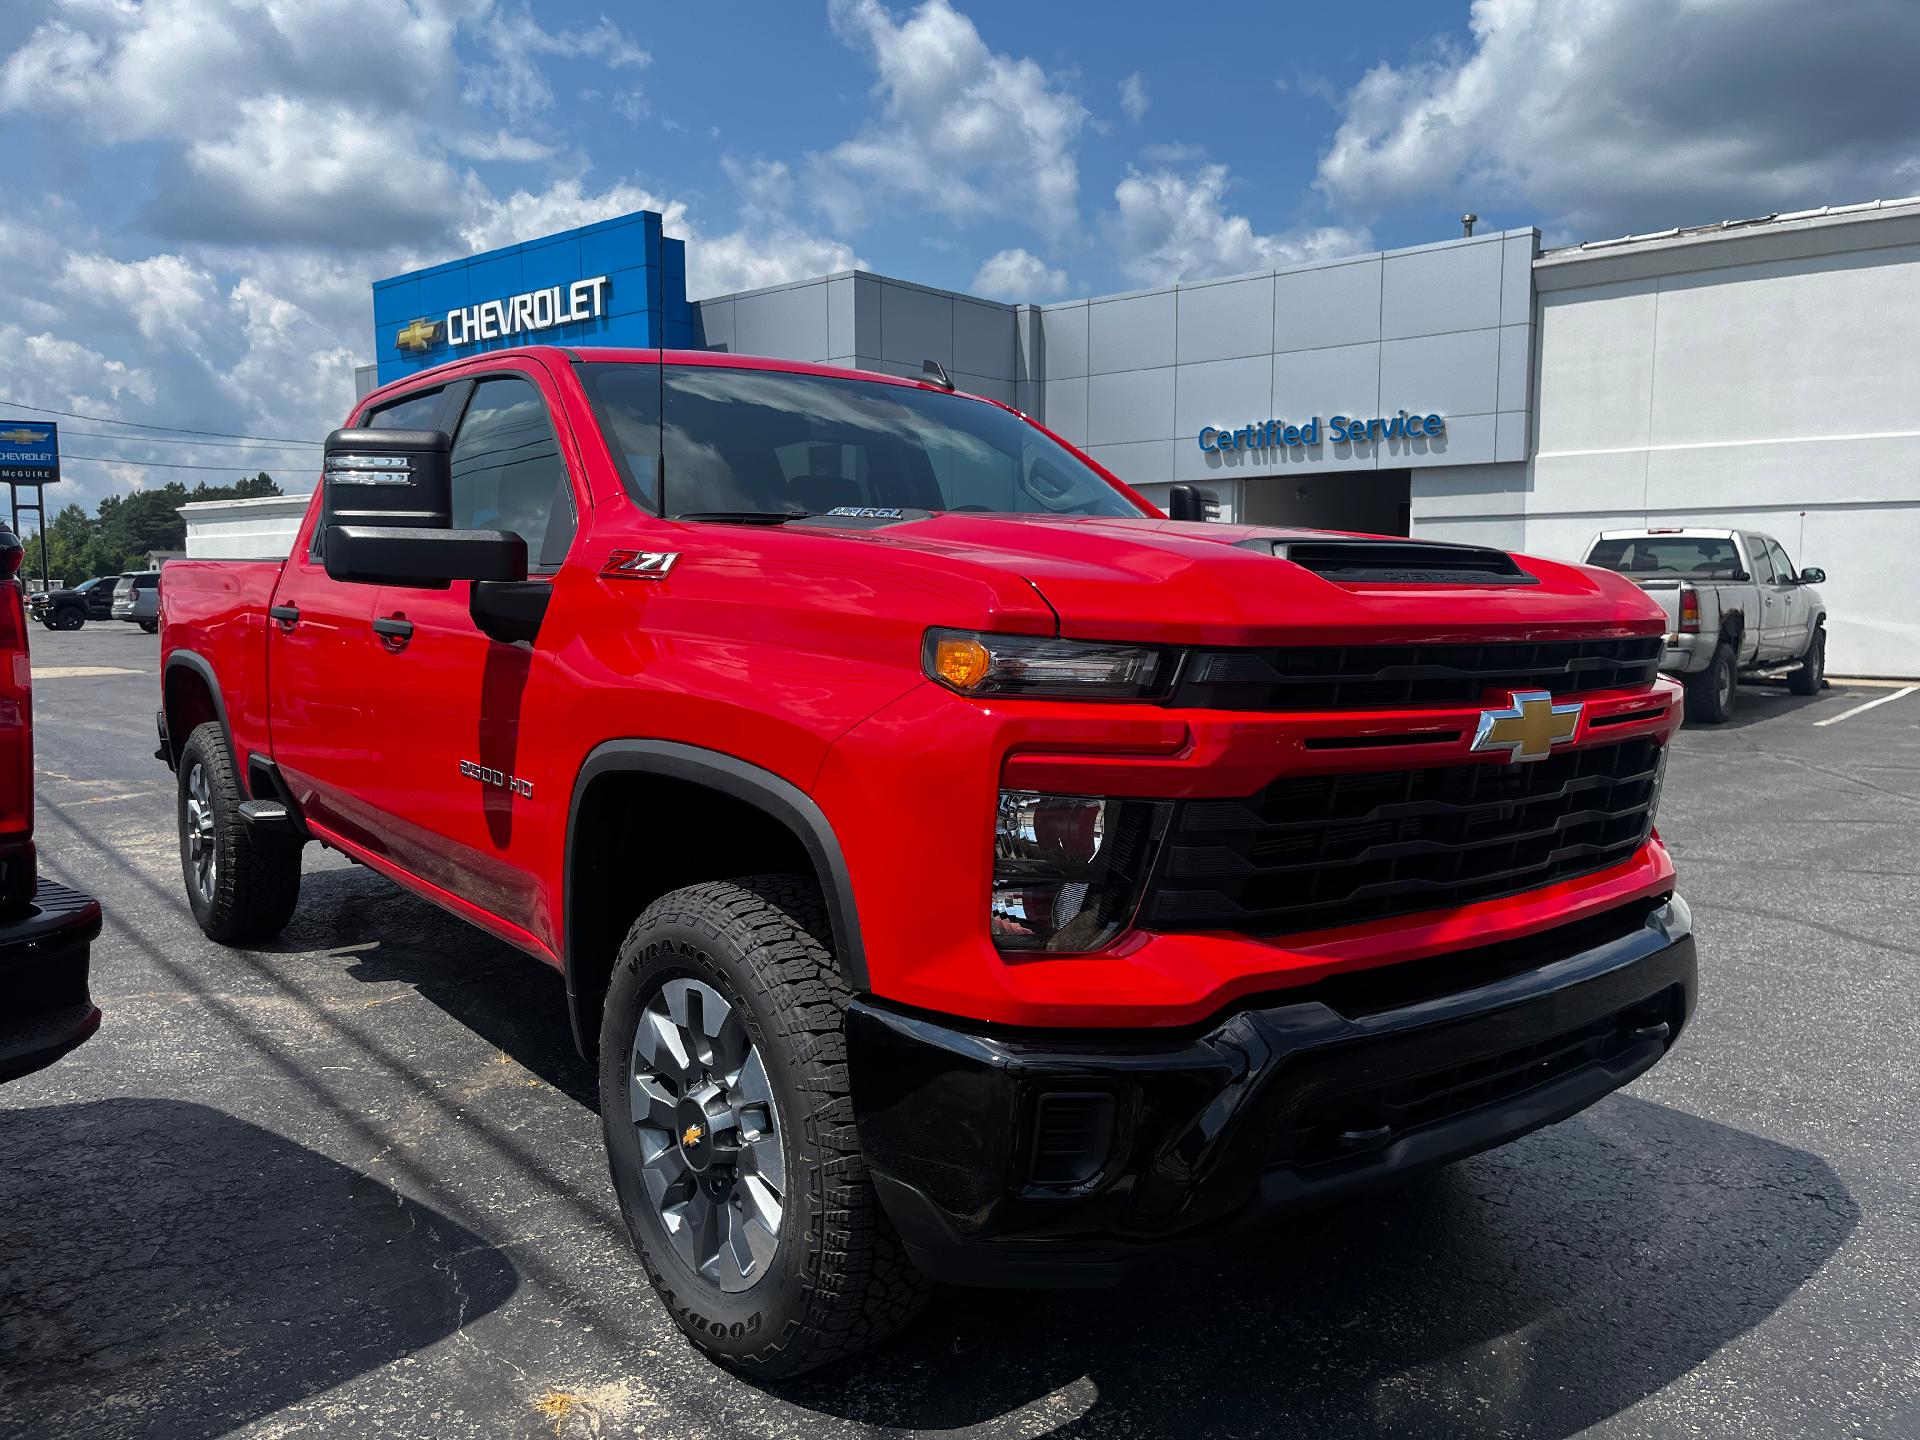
(29, 452)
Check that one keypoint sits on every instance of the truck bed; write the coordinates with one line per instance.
(217, 611)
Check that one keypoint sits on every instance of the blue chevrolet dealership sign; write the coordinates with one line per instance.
(616, 282)
(29, 452)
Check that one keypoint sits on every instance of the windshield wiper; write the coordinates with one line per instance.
(747, 517)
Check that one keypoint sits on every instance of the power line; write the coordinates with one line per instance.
(175, 440)
(156, 464)
(141, 425)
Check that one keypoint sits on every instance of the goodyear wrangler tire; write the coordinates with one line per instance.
(241, 886)
(723, 1095)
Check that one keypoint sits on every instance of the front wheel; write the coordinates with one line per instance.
(241, 885)
(150, 626)
(1813, 665)
(730, 1131)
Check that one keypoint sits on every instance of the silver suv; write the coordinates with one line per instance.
(137, 598)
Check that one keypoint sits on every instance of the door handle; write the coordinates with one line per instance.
(285, 614)
(392, 627)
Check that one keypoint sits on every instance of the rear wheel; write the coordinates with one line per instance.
(1812, 673)
(1710, 692)
(150, 626)
(723, 1095)
(241, 884)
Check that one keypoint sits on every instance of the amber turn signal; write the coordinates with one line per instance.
(961, 661)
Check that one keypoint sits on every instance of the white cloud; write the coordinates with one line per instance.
(1640, 114)
(1018, 275)
(963, 132)
(1133, 97)
(516, 83)
(1168, 225)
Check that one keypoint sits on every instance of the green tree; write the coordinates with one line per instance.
(125, 527)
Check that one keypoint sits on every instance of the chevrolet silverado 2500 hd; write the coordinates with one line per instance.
(1735, 605)
(959, 868)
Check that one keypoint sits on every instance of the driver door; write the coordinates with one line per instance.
(465, 748)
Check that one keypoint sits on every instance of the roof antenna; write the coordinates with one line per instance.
(1467, 222)
(936, 374)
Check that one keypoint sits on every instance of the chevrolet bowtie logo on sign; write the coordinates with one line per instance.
(20, 435)
(418, 336)
(1529, 728)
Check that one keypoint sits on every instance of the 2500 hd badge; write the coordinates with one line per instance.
(499, 779)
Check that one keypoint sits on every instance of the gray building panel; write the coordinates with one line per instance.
(1467, 440)
(1145, 462)
(1343, 380)
(991, 386)
(713, 324)
(1134, 333)
(1512, 429)
(1222, 393)
(1454, 374)
(789, 323)
(1516, 277)
(1434, 291)
(1516, 366)
(841, 337)
(1225, 321)
(1130, 406)
(866, 313)
(983, 339)
(915, 325)
(1064, 408)
(1324, 305)
(1064, 340)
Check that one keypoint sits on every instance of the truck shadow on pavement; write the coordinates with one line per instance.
(1536, 1290)
(1764, 704)
(241, 1273)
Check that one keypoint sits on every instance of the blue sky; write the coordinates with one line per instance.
(199, 192)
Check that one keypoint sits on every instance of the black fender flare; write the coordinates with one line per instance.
(783, 800)
(199, 665)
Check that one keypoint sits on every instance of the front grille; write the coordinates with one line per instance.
(1362, 676)
(1314, 851)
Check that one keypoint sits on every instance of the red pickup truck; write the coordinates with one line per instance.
(959, 868)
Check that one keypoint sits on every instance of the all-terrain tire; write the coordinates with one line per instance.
(837, 1280)
(1710, 692)
(69, 618)
(254, 881)
(1813, 665)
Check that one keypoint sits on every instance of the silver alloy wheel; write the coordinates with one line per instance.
(1727, 680)
(202, 851)
(709, 1132)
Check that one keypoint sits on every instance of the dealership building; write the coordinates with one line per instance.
(1758, 373)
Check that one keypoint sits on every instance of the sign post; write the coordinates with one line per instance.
(30, 457)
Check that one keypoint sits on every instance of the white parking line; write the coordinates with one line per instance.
(1883, 700)
(81, 672)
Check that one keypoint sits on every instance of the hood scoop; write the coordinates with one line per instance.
(1396, 562)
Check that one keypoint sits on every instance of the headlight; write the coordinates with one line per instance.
(1068, 868)
(978, 664)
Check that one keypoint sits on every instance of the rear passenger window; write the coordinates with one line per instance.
(508, 473)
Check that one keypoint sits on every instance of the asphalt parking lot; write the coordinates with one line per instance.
(353, 1184)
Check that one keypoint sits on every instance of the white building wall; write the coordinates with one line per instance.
(258, 529)
(1762, 378)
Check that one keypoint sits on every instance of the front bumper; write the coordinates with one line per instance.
(46, 1008)
(1063, 1158)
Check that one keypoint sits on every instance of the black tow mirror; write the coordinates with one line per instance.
(422, 559)
(1812, 575)
(1190, 502)
(388, 477)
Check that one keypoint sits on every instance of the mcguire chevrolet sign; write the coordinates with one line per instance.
(29, 452)
(1337, 430)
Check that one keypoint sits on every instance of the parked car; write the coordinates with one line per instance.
(69, 609)
(46, 930)
(959, 868)
(1736, 609)
(137, 598)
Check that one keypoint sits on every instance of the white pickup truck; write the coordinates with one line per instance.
(1736, 609)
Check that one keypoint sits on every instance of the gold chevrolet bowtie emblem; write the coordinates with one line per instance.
(419, 335)
(1529, 728)
(20, 435)
(691, 1135)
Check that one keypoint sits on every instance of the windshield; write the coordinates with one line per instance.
(1683, 557)
(764, 442)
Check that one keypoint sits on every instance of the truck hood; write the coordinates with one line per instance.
(1174, 582)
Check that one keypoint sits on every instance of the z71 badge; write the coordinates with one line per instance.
(499, 779)
(639, 564)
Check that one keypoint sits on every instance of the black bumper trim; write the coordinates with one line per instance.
(46, 1008)
(1276, 1108)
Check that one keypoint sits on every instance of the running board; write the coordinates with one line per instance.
(270, 815)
